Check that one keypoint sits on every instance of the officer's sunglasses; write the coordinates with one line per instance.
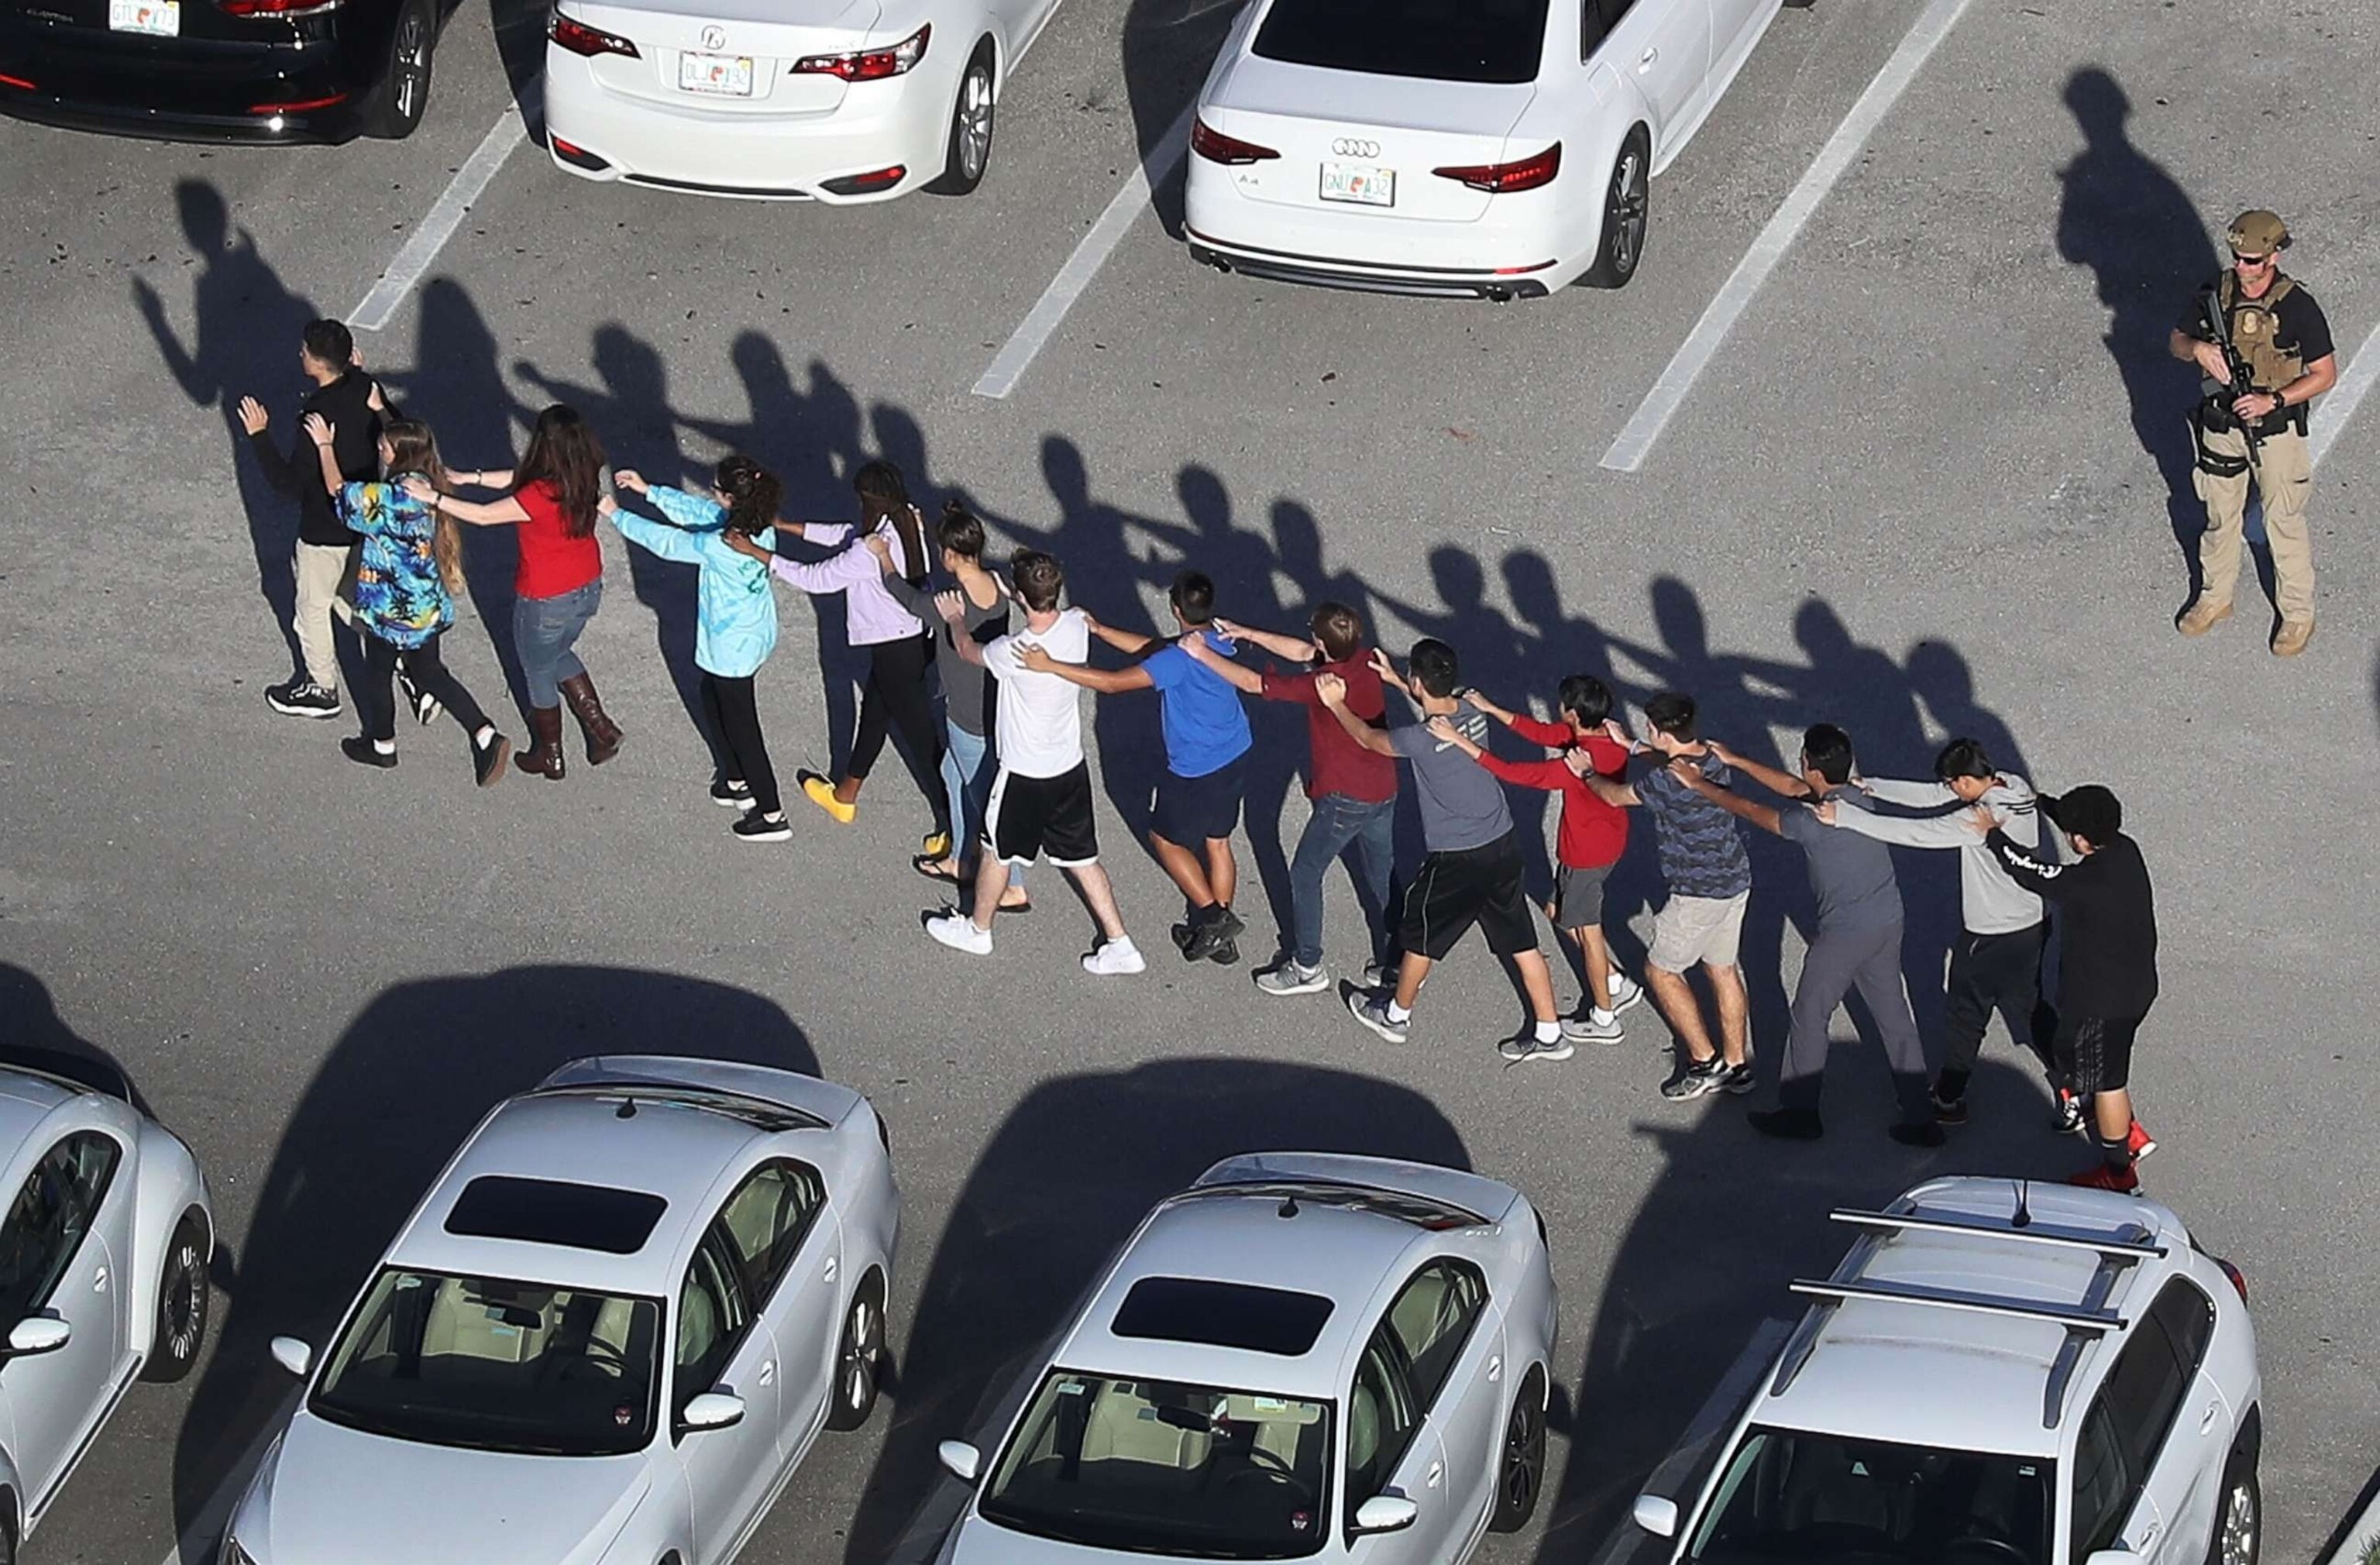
(2250, 260)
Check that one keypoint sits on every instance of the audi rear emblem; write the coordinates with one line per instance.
(715, 38)
(1353, 146)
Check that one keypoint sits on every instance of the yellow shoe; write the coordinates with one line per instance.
(936, 845)
(2292, 638)
(821, 792)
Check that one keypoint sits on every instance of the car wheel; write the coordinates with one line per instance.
(972, 112)
(404, 89)
(1521, 1468)
(860, 1358)
(1626, 206)
(2239, 1529)
(182, 1301)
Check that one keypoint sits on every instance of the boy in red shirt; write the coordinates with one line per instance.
(1592, 836)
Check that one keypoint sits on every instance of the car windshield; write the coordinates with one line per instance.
(1496, 41)
(1791, 1495)
(1156, 1467)
(496, 1365)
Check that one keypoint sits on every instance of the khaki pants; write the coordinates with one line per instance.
(323, 572)
(2284, 472)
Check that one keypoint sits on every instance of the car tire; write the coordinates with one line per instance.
(1521, 1461)
(2240, 1524)
(858, 1357)
(967, 151)
(1619, 243)
(8, 1531)
(405, 84)
(182, 1304)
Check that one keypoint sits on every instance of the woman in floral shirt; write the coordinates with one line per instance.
(411, 565)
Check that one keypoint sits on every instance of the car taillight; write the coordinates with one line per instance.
(298, 106)
(868, 64)
(580, 39)
(1502, 178)
(18, 82)
(2239, 1279)
(279, 7)
(1216, 147)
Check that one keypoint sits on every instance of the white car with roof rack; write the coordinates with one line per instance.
(1304, 1356)
(2001, 1373)
(607, 1336)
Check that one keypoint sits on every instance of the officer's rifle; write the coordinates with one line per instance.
(2242, 381)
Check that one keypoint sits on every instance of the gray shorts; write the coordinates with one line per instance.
(1697, 929)
(1578, 896)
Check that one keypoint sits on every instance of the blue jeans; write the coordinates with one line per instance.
(544, 629)
(967, 769)
(1338, 820)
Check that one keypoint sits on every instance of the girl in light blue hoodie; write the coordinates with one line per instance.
(735, 626)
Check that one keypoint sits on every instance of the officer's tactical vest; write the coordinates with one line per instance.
(2254, 322)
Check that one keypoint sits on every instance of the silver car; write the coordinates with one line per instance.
(104, 1256)
(1302, 1355)
(608, 1334)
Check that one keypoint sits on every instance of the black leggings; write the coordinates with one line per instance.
(377, 704)
(897, 695)
(734, 709)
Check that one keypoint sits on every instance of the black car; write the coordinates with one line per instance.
(221, 70)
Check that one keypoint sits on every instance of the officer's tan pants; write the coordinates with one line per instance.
(2284, 472)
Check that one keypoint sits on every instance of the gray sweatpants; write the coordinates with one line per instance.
(1839, 961)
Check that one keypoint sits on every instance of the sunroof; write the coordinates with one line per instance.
(1221, 1314)
(545, 1211)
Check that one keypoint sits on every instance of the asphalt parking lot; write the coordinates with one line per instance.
(1924, 488)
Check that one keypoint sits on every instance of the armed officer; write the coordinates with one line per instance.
(2263, 321)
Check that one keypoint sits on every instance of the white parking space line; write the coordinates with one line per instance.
(1668, 392)
(198, 1545)
(445, 216)
(1010, 364)
(2340, 406)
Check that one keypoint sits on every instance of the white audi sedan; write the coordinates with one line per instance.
(1302, 1355)
(1483, 148)
(607, 1336)
(782, 100)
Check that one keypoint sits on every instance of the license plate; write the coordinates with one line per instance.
(160, 19)
(725, 75)
(1364, 184)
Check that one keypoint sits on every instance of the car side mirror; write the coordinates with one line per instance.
(1658, 1514)
(713, 1410)
(1385, 1513)
(38, 1334)
(296, 1356)
(961, 1460)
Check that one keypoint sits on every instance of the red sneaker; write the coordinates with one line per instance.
(2099, 1176)
(2140, 1143)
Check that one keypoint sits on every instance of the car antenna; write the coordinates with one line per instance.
(626, 1110)
(1288, 1205)
(2022, 1218)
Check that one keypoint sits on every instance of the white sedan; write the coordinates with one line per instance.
(838, 101)
(1483, 148)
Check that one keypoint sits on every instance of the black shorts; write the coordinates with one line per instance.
(1451, 892)
(2094, 1054)
(1191, 810)
(1578, 895)
(1047, 816)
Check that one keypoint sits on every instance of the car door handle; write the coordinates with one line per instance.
(2206, 1420)
(1436, 1471)
(828, 1273)
(1494, 1369)
(2148, 1536)
(768, 1372)
(1644, 60)
(99, 1281)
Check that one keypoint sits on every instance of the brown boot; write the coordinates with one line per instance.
(2292, 638)
(543, 757)
(602, 734)
(2204, 615)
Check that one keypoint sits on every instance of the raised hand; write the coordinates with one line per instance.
(949, 606)
(319, 429)
(1825, 810)
(744, 543)
(1036, 656)
(419, 488)
(252, 415)
(374, 400)
(1330, 689)
(630, 479)
(1442, 729)
(878, 545)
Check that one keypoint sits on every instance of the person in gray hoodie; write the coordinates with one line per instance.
(1997, 963)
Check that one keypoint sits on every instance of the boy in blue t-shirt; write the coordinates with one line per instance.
(1206, 744)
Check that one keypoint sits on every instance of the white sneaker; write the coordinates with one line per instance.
(1290, 978)
(1115, 958)
(1625, 991)
(958, 932)
(1595, 1026)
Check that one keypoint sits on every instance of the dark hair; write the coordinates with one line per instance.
(1039, 578)
(1826, 750)
(329, 341)
(1673, 712)
(1434, 664)
(883, 494)
(565, 455)
(1586, 697)
(960, 531)
(1336, 630)
(413, 449)
(1962, 757)
(2091, 812)
(1194, 597)
(753, 495)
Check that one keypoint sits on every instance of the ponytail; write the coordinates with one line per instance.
(753, 495)
(884, 496)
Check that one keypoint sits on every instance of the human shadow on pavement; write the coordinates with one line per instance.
(1168, 46)
(389, 1103)
(2123, 216)
(1727, 1224)
(35, 1037)
(245, 344)
(1059, 1187)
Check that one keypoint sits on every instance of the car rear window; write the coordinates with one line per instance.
(1496, 41)
(1222, 1314)
(545, 1211)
